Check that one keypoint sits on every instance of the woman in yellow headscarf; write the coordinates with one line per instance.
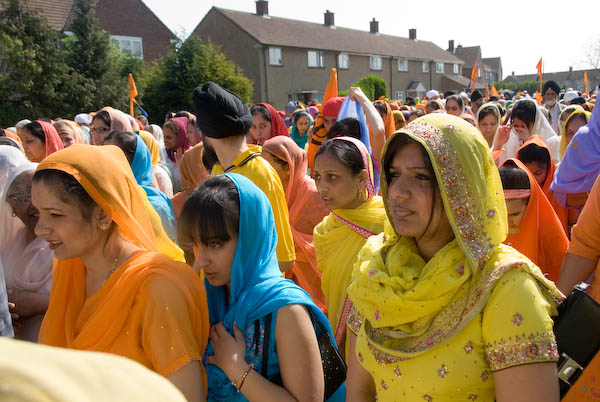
(442, 310)
(568, 129)
(111, 290)
(344, 178)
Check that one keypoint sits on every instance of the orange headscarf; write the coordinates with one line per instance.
(540, 238)
(389, 123)
(193, 173)
(151, 309)
(561, 211)
(52, 139)
(306, 210)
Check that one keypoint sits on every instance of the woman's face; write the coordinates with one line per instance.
(191, 133)
(515, 210)
(488, 126)
(336, 184)
(99, 130)
(417, 210)
(19, 200)
(452, 107)
(521, 129)
(170, 139)
(261, 129)
(430, 108)
(573, 126)
(215, 259)
(539, 171)
(282, 171)
(62, 224)
(34, 148)
(66, 135)
(302, 125)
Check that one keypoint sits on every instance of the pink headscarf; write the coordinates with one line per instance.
(181, 124)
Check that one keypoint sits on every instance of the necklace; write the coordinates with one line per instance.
(114, 266)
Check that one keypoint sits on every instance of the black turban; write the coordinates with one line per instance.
(220, 113)
(580, 100)
(550, 85)
(476, 95)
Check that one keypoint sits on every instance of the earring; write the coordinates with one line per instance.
(362, 194)
(103, 226)
(14, 214)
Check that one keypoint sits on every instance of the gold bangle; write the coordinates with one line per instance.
(242, 377)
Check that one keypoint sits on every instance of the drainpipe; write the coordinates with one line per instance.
(265, 52)
(391, 77)
(430, 75)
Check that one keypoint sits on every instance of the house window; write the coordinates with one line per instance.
(275, 58)
(343, 60)
(129, 45)
(376, 63)
(478, 73)
(402, 64)
(400, 95)
(439, 67)
(315, 59)
(425, 67)
(456, 68)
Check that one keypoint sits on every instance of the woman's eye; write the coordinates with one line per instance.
(214, 244)
(422, 177)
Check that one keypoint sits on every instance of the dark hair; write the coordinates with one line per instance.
(69, 190)
(457, 99)
(125, 140)
(348, 127)
(209, 157)
(419, 112)
(381, 108)
(525, 111)
(104, 116)
(36, 130)
(484, 112)
(298, 114)
(434, 105)
(211, 213)
(534, 153)
(578, 116)
(410, 101)
(261, 110)
(513, 177)
(346, 152)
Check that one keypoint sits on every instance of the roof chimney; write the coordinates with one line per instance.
(329, 20)
(412, 34)
(451, 46)
(262, 7)
(374, 26)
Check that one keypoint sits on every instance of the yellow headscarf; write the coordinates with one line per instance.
(410, 306)
(152, 146)
(564, 142)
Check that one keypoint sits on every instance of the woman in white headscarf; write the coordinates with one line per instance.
(26, 258)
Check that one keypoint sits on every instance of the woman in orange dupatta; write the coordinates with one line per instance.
(546, 172)
(306, 209)
(193, 173)
(385, 111)
(111, 290)
(534, 228)
(40, 139)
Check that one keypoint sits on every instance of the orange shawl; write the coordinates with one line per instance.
(52, 139)
(306, 210)
(540, 238)
(151, 309)
(193, 173)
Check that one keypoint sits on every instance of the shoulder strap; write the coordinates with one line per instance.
(242, 163)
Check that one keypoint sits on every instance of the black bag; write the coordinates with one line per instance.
(334, 366)
(577, 332)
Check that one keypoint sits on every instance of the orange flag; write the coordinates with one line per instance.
(494, 91)
(538, 97)
(319, 134)
(487, 92)
(585, 80)
(473, 77)
(539, 70)
(132, 94)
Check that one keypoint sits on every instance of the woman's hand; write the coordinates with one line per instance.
(358, 95)
(229, 352)
(502, 136)
(26, 304)
(178, 157)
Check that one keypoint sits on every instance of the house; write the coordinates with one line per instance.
(489, 70)
(565, 79)
(132, 26)
(291, 60)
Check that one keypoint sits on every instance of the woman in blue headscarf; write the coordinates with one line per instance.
(261, 333)
(139, 158)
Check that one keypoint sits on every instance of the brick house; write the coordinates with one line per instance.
(291, 60)
(489, 70)
(565, 79)
(133, 27)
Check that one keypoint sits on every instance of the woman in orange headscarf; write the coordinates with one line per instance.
(385, 111)
(536, 156)
(40, 139)
(534, 228)
(193, 173)
(111, 290)
(306, 209)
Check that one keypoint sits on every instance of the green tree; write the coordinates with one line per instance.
(373, 86)
(169, 86)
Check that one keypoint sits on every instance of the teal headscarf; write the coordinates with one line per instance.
(300, 140)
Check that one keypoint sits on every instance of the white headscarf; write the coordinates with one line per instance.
(10, 158)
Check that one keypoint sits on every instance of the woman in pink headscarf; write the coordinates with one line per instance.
(40, 139)
(176, 143)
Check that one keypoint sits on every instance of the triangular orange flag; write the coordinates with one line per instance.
(473, 77)
(318, 136)
(487, 92)
(585, 80)
(494, 91)
(132, 93)
(538, 97)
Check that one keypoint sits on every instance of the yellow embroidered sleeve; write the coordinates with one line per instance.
(517, 323)
(354, 320)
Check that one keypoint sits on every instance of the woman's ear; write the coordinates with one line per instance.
(364, 178)
(101, 219)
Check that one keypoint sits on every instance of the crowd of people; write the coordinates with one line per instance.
(240, 251)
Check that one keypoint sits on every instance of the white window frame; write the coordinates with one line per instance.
(402, 64)
(275, 56)
(316, 59)
(126, 44)
(376, 63)
(439, 67)
(456, 68)
(343, 61)
(400, 95)
(425, 67)
(478, 73)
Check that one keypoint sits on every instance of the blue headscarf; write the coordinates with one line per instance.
(141, 165)
(300, 140)
(256, 287)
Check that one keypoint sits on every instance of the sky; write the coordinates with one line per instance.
(519, 31)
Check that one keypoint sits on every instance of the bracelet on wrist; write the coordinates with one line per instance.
(242, 377)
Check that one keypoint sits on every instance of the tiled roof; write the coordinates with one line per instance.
(56, 11)
(467, 54)
(293, 33)
(495, 63)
